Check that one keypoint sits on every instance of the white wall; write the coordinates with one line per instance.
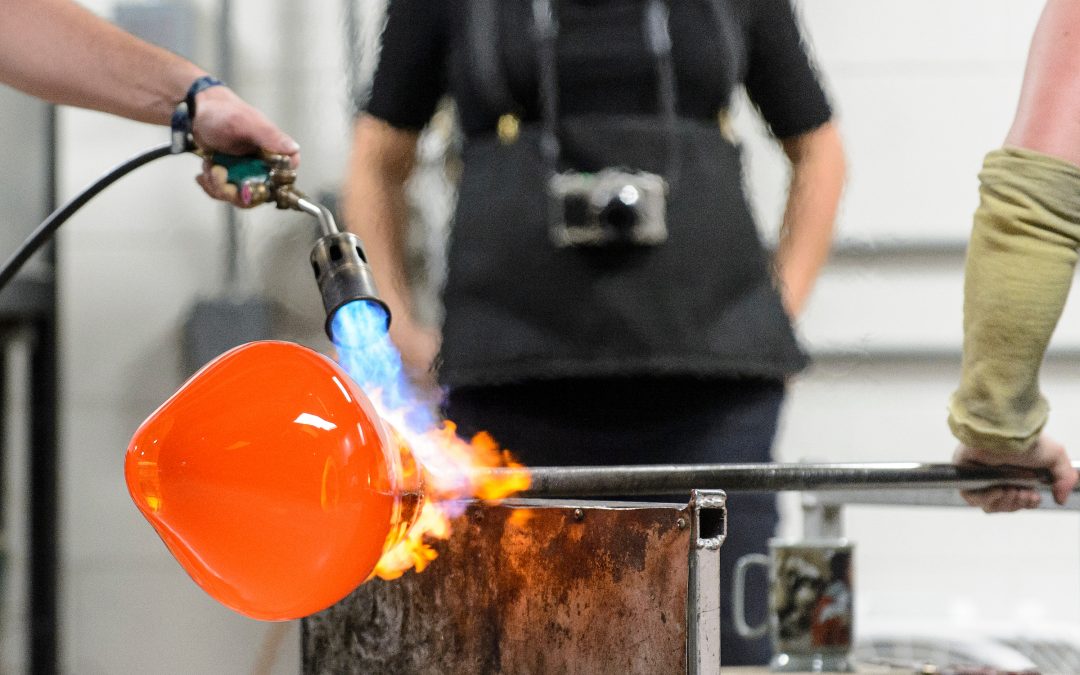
(923, 89)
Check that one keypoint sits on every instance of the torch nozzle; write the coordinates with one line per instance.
(338, 259)
(343, 275)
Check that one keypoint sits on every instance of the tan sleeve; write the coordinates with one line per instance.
(1020, 263)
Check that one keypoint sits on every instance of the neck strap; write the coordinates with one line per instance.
(658, 39)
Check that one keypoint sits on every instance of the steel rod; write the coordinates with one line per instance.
(902, 497)
(679, 479)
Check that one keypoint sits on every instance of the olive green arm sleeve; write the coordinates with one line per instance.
(1020, 263)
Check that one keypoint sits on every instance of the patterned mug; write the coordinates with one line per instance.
(811, 597)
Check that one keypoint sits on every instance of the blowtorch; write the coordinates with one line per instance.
(338, 259)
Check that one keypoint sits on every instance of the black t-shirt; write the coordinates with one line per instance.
(519, 308)
(603, 63)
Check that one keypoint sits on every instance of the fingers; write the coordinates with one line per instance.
(231, 126)
(257, 131)
(272, 139)
(1049, 454)
(214, 181)
(1045, 453)
(1002, 499)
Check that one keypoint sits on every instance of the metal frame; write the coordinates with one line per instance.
(28, 315)
(708, 530)
(823, 510)
(702, 526)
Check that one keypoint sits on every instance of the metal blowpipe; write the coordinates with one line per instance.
(679, 479)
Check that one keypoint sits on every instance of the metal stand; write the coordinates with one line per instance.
(27, 308)
(596, 587)
(708, 529)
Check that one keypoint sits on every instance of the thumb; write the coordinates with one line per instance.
(279, 142)
(271, 139)
(1065, 478)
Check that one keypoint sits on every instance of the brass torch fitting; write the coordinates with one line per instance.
(337, 259)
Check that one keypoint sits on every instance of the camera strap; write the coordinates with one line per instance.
(658, 39)
(482, 43)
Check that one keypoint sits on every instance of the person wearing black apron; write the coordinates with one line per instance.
(665, 343)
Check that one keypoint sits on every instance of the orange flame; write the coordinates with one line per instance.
(454, 470)
(413, 550)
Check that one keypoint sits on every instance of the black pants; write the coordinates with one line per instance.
(647, 421)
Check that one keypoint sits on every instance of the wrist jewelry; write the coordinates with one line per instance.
(183, 117)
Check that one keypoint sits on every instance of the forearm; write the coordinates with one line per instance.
(1020, 264)
(817, 179)
(61, 52)
(375, 209)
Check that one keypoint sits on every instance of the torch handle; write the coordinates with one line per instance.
(248, 167)
(258, 177)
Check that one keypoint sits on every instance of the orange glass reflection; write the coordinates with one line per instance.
(272, 480)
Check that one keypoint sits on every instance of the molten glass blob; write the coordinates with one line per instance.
(273, 481)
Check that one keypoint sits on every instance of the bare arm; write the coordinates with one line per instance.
(817, 179)
(1048, 115)
(374, 208)
(61, 52)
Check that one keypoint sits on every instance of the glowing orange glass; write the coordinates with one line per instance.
(272, 480)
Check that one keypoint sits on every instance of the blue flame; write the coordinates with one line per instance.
(359, 331)
(365, 351)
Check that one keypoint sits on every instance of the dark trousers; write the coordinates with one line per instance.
(648, 421)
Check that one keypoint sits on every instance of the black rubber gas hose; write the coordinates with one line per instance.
(57, 218)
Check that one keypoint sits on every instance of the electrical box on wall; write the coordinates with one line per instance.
(24, 179)
(172, 25)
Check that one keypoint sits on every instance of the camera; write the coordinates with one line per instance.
(608, 207)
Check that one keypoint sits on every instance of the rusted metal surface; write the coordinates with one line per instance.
(579, 587)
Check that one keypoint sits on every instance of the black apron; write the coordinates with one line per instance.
(518, 308)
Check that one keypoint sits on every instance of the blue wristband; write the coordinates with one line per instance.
(204, 82)
(183, 117)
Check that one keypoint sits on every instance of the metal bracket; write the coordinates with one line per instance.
(708, 530)
(821, 520)
(710, 518)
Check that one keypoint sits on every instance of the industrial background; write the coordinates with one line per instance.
(923, 89)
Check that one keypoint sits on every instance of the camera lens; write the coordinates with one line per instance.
(621, 212)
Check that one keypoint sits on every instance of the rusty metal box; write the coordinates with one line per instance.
(542, 586)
